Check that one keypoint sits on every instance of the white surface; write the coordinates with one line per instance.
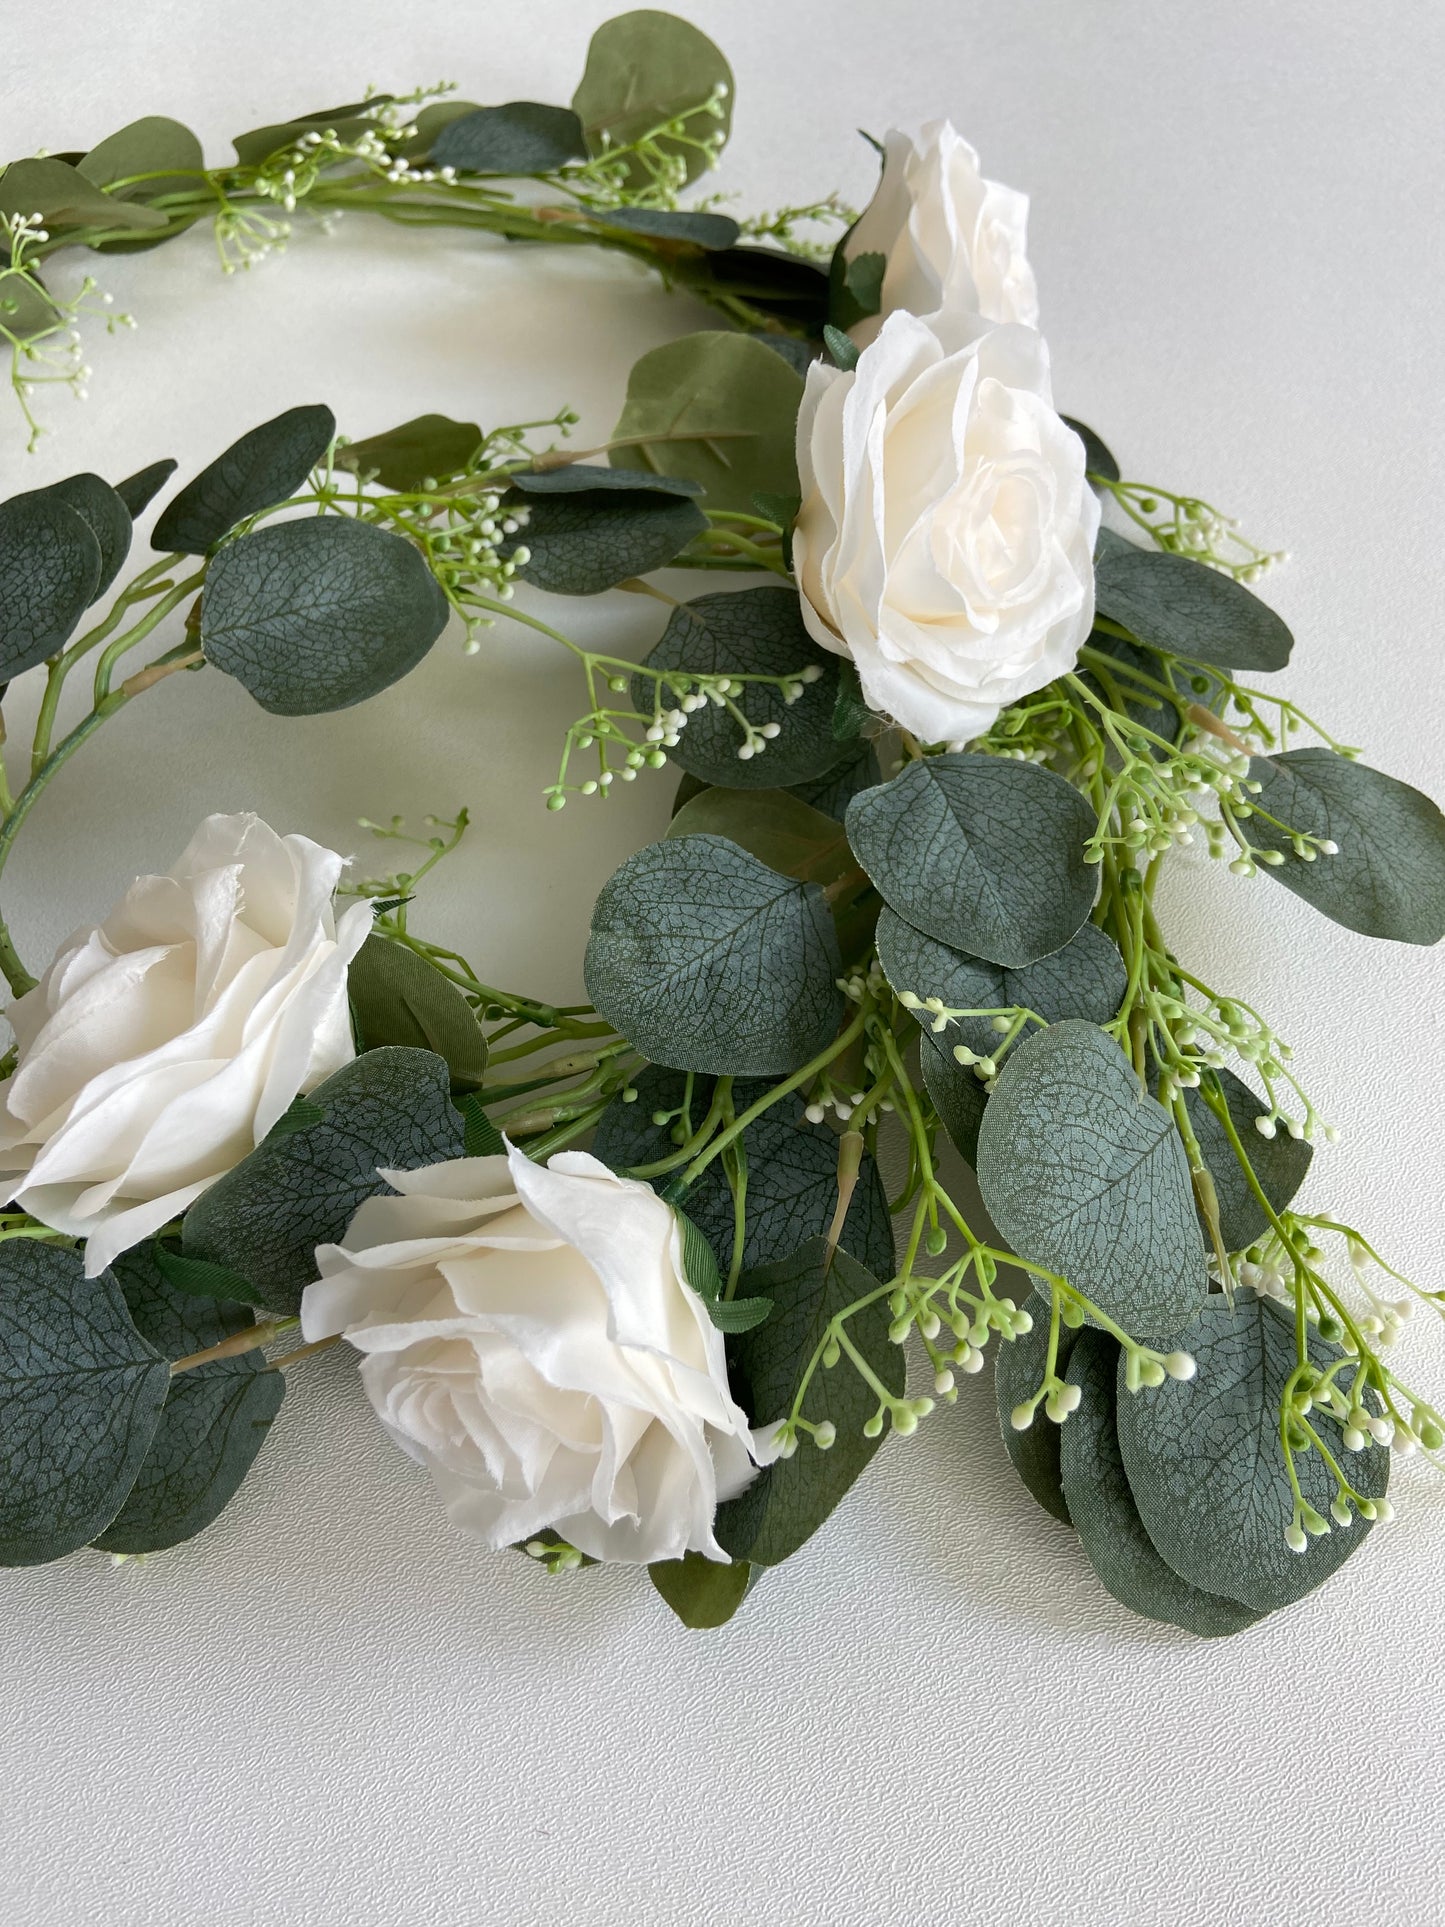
(332, 1709)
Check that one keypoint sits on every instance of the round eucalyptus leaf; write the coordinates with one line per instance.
(398, 998)
(66, 199)
(1018, 1372)
(1083, 1172)
(774, 826)
(718, 408)
(1279, 1163)
(982, 852)
(1206, 1464)
(162, 150)
(81, 1393)
(1177, 604)
(581, 544)
(428, 447)
(522, 137)
(751, 632)
(262, 468)
(646, 69)
(103, 512)
(707, 960)
(318, 614)
(1101, 1505)
(49, 566)
(1388, 877)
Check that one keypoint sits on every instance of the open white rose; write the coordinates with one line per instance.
(951, 240)
(529, 1338)
(162, 1044)
(945, 540)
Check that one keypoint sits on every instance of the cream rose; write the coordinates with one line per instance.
(528, 1337)
(162, 1044)
(951, 240)
(945, 540)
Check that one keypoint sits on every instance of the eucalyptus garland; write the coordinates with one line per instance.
(970, 692)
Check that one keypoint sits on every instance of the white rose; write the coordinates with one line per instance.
(530, 1340)
(162, 1044)
(951, 240)
(945, 540)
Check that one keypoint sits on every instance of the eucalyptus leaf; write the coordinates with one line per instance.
(398, 998)
(1098, 456)
(63, 196)
(779, 284)
(1018, 1372)
(27, 310)
(106, 516)
(164, 151)
(835, 789)
(429, 124)
(426, 448)
(956, 1093)
(585, 478)
(49, 567)
(81, 1393)
(581, 544)
(776, 827)
(1279, 1163)
(1387, 878)
(700, 1591)
(790, 1499)
(522, 137)
(718, 408)
(262, 468)
(387, 1110)
(982, 852)
(706, 959)
(1084, 1173)
(346, 123)
(704, 230)
(1206, 1465)
(215, 1418)
(751, 632)
(138, 491)
(1147, 707)
(319, 614)
(644, 70)
(1177, 604)
(1102, 1508)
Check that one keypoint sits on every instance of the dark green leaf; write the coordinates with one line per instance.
(264, 467)
(704, 958)
(863, 278)
(481, 1138)
(104, 514)
(1018, 1372)
(1098, 457)
(138, 491)
(1147, 707)
(162, 149)
(1103, 1510)
(80, 1397)
(346, 123)
(49, 568)
(429, 124)
(1084, 1173)
(318, 614)
(734, 1315)
(790, 1499)
(700, 1591)
(1206, 1465)
(1175, 603)
(427, 448)
(398, 998)
(672, 224)
(843, 351)
(775, 827)
(699, 1264)
(957, 1093)
(835, 789)
(583, 478)
(299, 1115)
(215, 1420)
(784, 285)
(201, 1280)
(1388, 877)
(983, 853)
(66, 199)
(581, 544)
(1279, 1163)
(718, 408)
(645, 69)
(389, 1110)
(521, 137)
(751, 632)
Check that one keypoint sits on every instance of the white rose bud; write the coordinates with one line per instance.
(162, 1044)
(529, 1338)
(951, 240)
(945, 541)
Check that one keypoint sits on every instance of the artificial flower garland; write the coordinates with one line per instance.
(935, 752)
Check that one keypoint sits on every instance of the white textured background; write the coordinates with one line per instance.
(331, 1708)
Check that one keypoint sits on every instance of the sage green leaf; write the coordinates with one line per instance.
(673, 224)
(427, 448)
(1018, 1372)
(584, 478)
(957, 1095)
(49, 568)
(138, 491)
(1279, 1163)
(80, 1397)
(387, 1110)
(835, 789)
(863, 278)
(164, 151)
(27, 310)
(700, 1591)
(645, 70)
(519, 138)
(706, 959)
(262, 468)
(1147, 707)
(790, 1499)
(718, 408)
(1206, 1465)
(750, 632)
(1084, 1173)
(775, 826)
(1103, 1511)
(105, 515)
(214, 1421)
(398, 998)
(581, 544)
(429, 124)
(981, 852)
(201, 1280)
(1177, 604)
(319, 614)
(1388, 877)
(66, 199)
(346, 123)
(1098, 457)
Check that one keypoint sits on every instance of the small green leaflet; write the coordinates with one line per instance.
(260, 469)
(398, 998)
(647, 68)
(519, 138)
(700, 1591)
(1184, 607)
(701, 1271)
(199, 1279)
(480, 1137)
(844, 352)
(1018, 1372)
(427, 448)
